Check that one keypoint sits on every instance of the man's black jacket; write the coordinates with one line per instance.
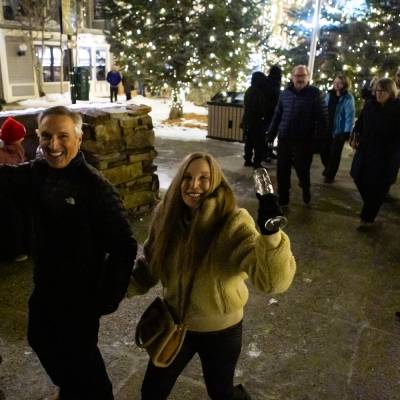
(82, 244)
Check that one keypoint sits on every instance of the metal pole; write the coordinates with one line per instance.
(314, 38)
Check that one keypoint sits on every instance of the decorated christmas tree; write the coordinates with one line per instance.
(177, 44)
(359, 38)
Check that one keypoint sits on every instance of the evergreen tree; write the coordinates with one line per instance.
(174, 44)
(362, 44)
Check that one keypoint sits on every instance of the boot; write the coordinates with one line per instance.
(240, 393)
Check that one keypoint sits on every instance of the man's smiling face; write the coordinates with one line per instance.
(59, 140)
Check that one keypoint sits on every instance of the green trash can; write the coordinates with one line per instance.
(82, 86)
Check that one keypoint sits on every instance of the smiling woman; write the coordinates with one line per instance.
(195, 183)
(203, 248)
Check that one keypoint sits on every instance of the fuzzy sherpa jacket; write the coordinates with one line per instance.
(219, 291)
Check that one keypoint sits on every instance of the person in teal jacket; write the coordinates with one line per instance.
(341, 112)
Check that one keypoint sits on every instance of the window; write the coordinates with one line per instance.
(98, 9)
(101, 64)
(52, 63)
(11, 8)
(85, 59)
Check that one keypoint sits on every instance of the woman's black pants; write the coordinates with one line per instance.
(331, 155)
(218, 351)
(372, 196)
(65, 342)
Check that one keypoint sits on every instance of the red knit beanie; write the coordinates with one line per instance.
(11, 131)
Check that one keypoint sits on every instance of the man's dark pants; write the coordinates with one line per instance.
(65, 340)
(300, 155)
(255, 140)
(113, 93)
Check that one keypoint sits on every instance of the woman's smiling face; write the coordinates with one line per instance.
(195, 183)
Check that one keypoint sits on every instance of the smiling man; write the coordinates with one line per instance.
(299, 118)
(83, 252)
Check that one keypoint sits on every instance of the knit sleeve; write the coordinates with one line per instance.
(266, 259)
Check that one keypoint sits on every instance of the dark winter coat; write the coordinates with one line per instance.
(300, 115)
(114, 78)
(260, 101)
(377, 158)
(83, 247)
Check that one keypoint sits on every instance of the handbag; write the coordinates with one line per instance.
(160, 334)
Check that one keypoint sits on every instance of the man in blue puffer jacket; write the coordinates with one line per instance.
(299, 119)
(114, 78)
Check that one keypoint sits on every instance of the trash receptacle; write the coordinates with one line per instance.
(82, 86)
(225, 111)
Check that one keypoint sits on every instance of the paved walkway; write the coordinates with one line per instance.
(332, 336)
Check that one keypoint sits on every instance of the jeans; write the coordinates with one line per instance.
(218, 351)
(66, 345)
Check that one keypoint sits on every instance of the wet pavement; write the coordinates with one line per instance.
(332, 336)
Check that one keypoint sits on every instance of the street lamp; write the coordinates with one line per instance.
(314, 37)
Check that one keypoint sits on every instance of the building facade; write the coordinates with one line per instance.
(81, 32)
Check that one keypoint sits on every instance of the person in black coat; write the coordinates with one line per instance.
(376, 138)
(83, 252)
(300, 117)
(260, 101)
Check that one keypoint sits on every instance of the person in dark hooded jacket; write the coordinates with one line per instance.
(260, 101)
(376, 138)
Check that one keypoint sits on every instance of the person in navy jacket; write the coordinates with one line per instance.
(114, 78)
(299, 119)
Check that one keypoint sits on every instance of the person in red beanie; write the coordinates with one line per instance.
(12, 134)
(13, 235)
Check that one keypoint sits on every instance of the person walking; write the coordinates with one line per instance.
(300, 118)
(341, 110)
(212, 247)
(114, 79)
(83, 253)
(260, 101)
(128, 84)
(376, 138)
(12, 134)
(14, 224)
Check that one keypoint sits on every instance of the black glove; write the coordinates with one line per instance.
(268, 208)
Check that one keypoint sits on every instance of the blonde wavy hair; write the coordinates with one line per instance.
(174, 223)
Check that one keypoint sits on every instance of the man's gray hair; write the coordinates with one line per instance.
(61, 110)
(301, 66)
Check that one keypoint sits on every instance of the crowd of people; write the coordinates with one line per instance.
(84, 257)
(84, 252)
(306, 121)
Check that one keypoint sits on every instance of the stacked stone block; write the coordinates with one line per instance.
(120, 143)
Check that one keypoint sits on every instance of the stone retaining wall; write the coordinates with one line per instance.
(120, 143)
